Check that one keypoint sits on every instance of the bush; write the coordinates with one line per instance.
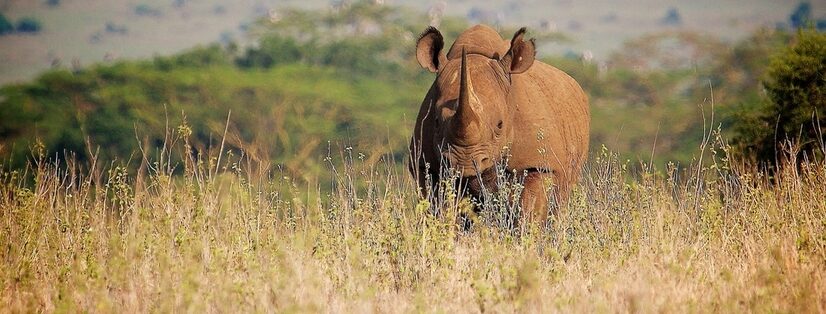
(116, 29)
(672, 17)
(28, 25)
(273, 50)
(197, 57)
(5, 25)
(801, 16)
(146, 10)
(796, 108)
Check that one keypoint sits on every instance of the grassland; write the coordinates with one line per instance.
(223, 238)
(227, 180)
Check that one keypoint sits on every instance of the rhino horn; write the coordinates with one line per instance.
(466, 118)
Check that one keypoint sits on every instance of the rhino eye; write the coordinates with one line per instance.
(499, 125)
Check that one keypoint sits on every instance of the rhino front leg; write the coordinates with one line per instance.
(534, 200)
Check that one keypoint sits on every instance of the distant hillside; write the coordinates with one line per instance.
(290, 99)
(78, 33)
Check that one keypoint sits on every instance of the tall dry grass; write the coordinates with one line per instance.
(216, 234)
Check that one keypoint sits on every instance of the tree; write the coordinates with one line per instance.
(801, 16)
(146, 10)
(5, 25)
(28, 25)
(796, 108)
(672, 17)
(272, 50)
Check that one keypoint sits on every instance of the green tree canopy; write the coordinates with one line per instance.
(5, 25)
(796, 110)
(28, 25)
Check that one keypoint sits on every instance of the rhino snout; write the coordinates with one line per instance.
(469, 166)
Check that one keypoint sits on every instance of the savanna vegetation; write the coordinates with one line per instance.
(222, 238)
(270, 178)
(795, 110)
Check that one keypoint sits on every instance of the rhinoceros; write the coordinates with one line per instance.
(493, 103)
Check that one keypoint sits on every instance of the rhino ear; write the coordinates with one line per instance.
(521, 54)
(429, 50)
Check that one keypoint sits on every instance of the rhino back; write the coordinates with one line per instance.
(479, 39)
(551, 121)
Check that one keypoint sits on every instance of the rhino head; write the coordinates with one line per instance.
(473, 108)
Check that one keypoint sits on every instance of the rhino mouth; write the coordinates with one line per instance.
(488, 180)
(482, 182)
(475, 168)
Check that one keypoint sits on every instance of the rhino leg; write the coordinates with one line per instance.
(534, 199)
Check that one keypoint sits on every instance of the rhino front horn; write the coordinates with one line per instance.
(466, 120)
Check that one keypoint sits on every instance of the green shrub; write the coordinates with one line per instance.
(272, 50)
(801, 16)
(5, 26)
(146, 10)
(796, 108)
(211, 55)
(28, 25)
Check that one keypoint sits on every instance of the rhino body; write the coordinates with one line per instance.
(492, 102)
